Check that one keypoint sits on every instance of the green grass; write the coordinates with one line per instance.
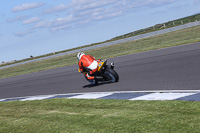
(90, 116)
(180, 37)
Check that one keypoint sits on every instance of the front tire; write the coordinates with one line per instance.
(112, 74)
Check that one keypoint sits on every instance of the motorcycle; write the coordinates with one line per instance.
(105, 71)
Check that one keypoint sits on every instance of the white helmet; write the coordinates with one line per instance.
(79, 55)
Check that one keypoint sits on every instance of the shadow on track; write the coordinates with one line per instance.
(99, 84)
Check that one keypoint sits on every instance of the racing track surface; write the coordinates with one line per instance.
(176, 68)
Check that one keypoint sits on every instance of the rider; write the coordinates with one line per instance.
(87, 63)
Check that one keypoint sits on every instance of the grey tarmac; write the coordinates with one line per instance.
(175, 68)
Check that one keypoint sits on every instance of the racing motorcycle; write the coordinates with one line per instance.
(105, 71)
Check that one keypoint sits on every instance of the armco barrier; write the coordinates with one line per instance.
(192, 24)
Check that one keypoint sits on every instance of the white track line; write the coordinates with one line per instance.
(2, 100)
(156, 95)
(162, 96)
(37, 98)
(91, 95)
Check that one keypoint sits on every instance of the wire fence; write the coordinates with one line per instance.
(137, 37)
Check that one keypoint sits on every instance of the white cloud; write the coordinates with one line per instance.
(17, 18)
(22, 34)
(108, 15)
(88, 11)
(26, 6)
(31, 20)
(81, 12)
(56, 24)
(104, 9)
(91, 10)
(59, 8)
(82, 2)
(91, 4)
(61, 21)
(60, 27)
(41, 24)
(158, 2)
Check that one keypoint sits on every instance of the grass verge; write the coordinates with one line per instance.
(180, 37)
(90, 116)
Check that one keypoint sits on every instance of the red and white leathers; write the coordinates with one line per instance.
(88, 62)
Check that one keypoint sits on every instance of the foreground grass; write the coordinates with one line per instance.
(73, 115)
(180, 37)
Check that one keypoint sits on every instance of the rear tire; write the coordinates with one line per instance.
(112, 74)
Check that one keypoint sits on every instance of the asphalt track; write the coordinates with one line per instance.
(175, 68)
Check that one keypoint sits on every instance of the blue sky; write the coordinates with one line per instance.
(30, 27)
